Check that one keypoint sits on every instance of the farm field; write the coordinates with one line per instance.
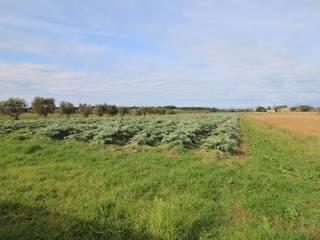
(210, 131)
(303, 123)
(166, 177)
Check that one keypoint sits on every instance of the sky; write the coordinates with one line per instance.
(211, 53)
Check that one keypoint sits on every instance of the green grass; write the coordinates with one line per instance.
(69, 190)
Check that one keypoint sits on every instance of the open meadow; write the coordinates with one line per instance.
(157, 177)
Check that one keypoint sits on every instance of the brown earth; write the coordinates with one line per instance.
(304, 123)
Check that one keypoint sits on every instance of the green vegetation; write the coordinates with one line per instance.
(123, 111)
(67, 108)
(280, 108)
(214, 131)
(261, 109)
(150, 110)
(43, 106)
(99, 110)
(72, 190)
(85, 109)
(302, 108)
(111, 109)
(13, 107)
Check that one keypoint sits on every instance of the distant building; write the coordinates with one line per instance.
(271, 110)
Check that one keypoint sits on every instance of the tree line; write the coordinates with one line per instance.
(281, 108)
(43, 106)
(14, 107)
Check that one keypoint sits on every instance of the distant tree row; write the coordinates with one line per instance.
(101, 109)
(151, 110)
(302, 108)
(285, 108)
(45, 106)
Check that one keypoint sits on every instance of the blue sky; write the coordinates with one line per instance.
(188, 53)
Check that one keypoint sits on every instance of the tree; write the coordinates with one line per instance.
(13, 107)
(138, 112)
(99, 110)
(123, 111)
(280, 107)
(110, 109)
(43, 106)
(261, 109)
(170, 107)
(85, 109)
(114, 110)
(67, 108)
(160, 111)
(304, 108)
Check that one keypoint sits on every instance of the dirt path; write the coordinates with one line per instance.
(303, 123)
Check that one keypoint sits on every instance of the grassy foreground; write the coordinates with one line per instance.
(69, 190)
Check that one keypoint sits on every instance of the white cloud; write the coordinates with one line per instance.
(163, 86)
(55, 46)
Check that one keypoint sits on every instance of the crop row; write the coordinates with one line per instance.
(212, 131)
